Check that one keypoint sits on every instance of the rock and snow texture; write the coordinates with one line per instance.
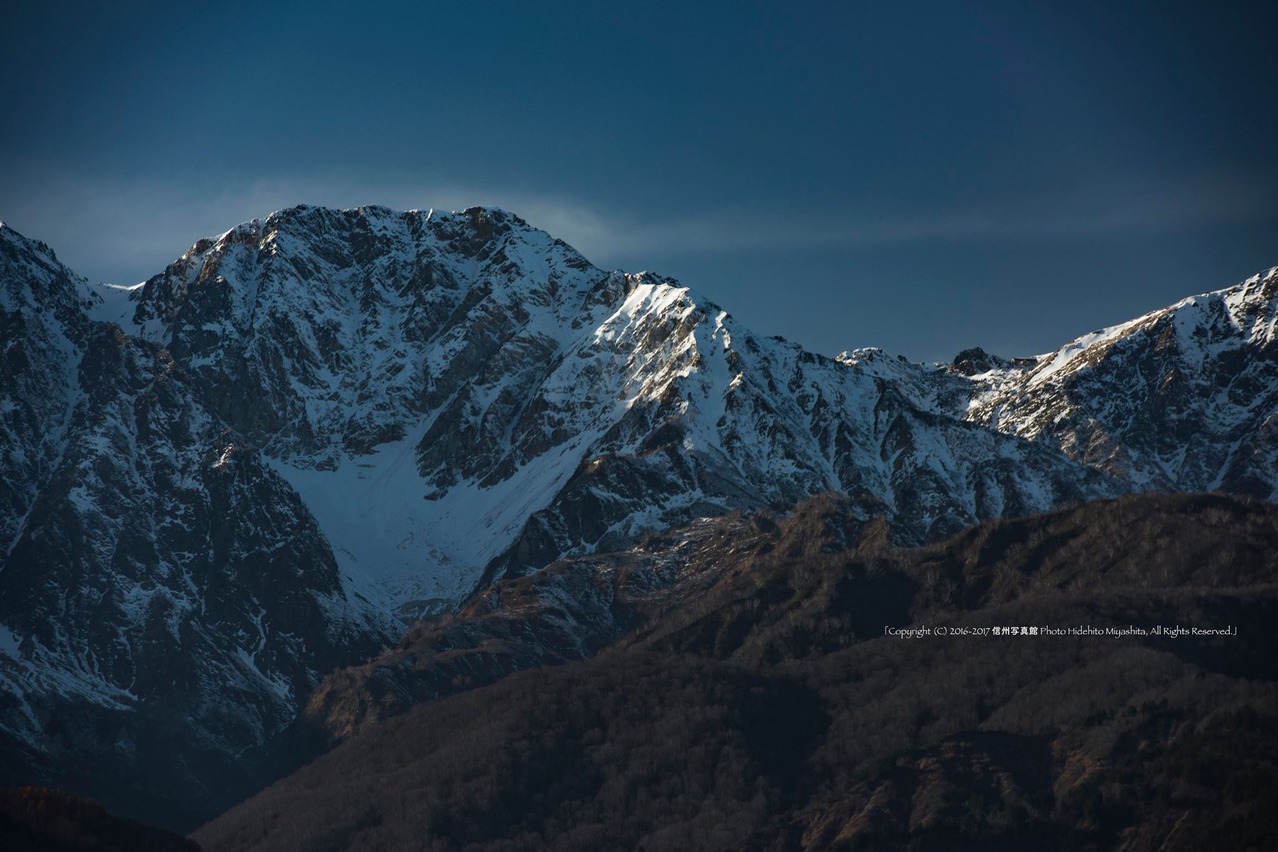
(460, 395)
(220, 482)
(1181, 399)
(42, 324)
(164, 594)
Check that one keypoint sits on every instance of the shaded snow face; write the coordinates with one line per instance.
(166, 598)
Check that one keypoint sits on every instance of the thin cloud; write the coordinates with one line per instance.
(122, 230)
(1110, 209)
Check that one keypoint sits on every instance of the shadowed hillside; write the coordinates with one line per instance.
(771, 711)
(37, 819)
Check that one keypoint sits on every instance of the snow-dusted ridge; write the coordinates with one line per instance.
(1184, 398)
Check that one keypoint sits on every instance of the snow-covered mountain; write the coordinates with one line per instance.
(455, 394)
(259, 463)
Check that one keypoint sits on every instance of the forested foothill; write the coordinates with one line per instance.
(771, 711)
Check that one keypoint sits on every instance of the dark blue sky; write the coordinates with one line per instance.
(917, 176)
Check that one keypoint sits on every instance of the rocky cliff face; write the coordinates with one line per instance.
(166, 598)
(44, 324)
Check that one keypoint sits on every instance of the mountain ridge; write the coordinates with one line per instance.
(322, 424)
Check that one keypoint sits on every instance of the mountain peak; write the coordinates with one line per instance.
(20, 242)
(974, 361)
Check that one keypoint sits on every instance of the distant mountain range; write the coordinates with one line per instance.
(266, 461)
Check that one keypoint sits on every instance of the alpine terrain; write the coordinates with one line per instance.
(264, 463)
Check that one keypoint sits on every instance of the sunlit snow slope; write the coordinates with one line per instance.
(1181, 399)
